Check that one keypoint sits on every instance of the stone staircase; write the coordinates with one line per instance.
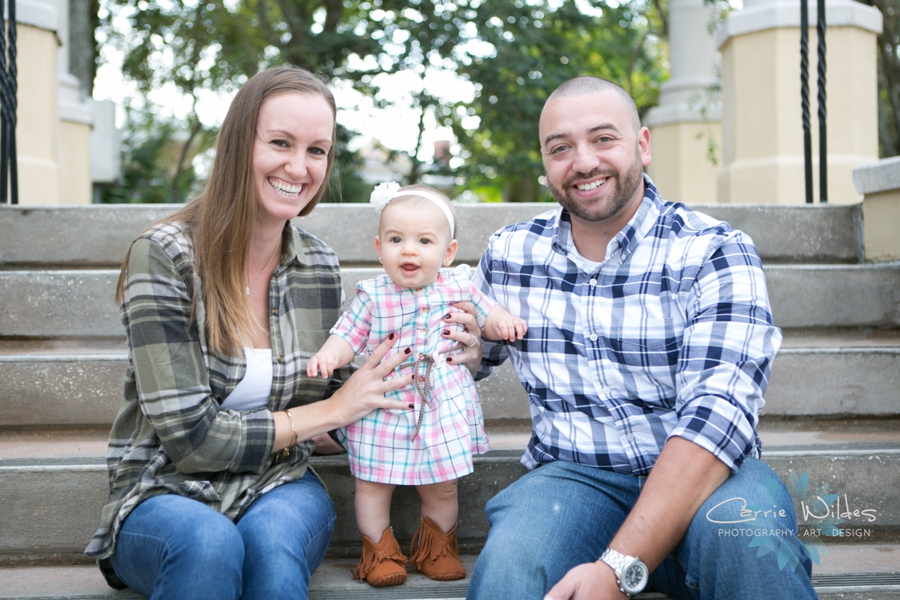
(832, 412)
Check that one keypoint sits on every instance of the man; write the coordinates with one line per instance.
(649, 345)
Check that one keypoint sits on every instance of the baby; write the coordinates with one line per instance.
(430, 447)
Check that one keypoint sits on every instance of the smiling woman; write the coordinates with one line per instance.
(223, 304)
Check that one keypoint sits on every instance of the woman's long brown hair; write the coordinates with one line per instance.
(222, 218)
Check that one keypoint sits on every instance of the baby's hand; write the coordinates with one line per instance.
(323, 361)
(500, 325)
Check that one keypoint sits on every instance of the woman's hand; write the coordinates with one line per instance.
(362, 393)
(365, 390)
(469, 339)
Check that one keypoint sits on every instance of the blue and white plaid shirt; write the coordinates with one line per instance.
(671, 335)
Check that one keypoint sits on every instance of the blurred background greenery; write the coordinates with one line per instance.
(510, 53)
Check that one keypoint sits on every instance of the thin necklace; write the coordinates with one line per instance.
(247, 288)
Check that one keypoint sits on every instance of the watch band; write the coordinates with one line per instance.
(618, 562)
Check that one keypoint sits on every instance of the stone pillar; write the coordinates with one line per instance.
(75, 121)
(685, 129)
(37, 114)
(54, 117)
(880, 185)
(762, 132)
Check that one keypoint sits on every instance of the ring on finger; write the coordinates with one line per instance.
(474, 341)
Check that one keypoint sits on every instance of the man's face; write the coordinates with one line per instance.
(594, 156)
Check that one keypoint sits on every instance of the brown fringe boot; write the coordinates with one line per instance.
(436, 553)
(382, 564)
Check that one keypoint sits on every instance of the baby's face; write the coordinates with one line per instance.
(414, 242)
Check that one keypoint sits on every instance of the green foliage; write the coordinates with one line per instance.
(535, 48)
(152, 149)
(213, 48)
(515, 52)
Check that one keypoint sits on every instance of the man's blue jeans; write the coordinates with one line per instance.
(174, 547)
(561, 515)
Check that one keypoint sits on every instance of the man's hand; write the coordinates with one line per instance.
(588, 581)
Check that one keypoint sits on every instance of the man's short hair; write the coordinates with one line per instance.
(591, 85)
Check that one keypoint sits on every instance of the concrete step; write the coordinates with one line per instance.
(857, 572)
(53, 483)
(817, 372)
(97, 236)
(70, 305)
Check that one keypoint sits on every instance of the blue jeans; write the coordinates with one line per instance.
(561, 515)
(174, 547)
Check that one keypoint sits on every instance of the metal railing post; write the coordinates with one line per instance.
(820, 100)
(804, 98)
(9, 179)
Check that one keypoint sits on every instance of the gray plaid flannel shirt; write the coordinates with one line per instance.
(169, 436)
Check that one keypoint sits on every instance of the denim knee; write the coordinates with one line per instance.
(286, 533)
(547, 522)
(175, 547)
(743, 542)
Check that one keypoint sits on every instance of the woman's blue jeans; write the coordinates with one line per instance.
(174, 547)
(561, 515)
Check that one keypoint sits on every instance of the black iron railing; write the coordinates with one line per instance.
(820, 100)
(9, 179)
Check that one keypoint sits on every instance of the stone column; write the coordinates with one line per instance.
(37, 114)
(685, 129)
(762, 132)
(54, 116)
(75, 122)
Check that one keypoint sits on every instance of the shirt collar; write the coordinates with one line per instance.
(294, 247)
(631, 235)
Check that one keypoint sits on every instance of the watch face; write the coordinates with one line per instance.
(634, 579)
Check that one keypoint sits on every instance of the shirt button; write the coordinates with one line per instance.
(274, 311)
(607, 391)
(593, 337)
(423, 330)
(629, 437)
(593, 282)
(280, 359)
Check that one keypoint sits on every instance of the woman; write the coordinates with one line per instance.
(210, 494)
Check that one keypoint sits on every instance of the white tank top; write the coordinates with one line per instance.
(255, 388)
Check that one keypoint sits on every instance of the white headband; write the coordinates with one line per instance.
(385, 192)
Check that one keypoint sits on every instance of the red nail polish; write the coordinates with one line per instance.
(407, 351)
(446, 332)
(447, 316)
(392, 336)
(450, 359)
(412, 405)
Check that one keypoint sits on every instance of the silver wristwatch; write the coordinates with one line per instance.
(631, 573)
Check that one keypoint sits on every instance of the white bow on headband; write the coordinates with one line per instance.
(385, 192)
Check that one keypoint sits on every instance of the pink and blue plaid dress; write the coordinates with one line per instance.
(382, 446)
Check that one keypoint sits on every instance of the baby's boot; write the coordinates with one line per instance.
(436, 553)
(382, 564)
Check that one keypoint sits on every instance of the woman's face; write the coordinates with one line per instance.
(290, 153)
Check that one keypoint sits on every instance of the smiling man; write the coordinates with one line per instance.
(649, 346)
